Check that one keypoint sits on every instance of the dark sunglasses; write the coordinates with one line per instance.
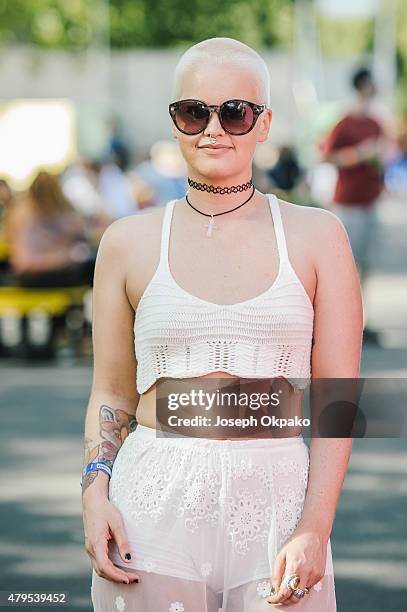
(237, 117)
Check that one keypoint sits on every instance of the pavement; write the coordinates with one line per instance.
(43, 409)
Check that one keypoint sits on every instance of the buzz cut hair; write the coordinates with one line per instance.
(222, 51)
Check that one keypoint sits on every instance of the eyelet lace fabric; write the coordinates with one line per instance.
(206, 517)
(190, 484)
(167, 594)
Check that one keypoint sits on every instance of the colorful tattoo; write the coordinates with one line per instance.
(87, 480)
(115, 426)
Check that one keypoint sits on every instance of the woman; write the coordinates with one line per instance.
(46, 236)
(216, 524)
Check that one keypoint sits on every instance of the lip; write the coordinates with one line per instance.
(215, 147)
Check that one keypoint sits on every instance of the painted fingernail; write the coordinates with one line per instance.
(127, 556)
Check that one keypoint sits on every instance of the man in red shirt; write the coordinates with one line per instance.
(355, 147)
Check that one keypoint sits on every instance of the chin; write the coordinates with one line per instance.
(214, 170)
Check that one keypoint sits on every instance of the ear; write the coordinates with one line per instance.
(265, 125)
(174, 131)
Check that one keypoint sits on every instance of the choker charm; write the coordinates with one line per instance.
(211, 225)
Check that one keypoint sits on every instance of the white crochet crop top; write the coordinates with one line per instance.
(178, 335)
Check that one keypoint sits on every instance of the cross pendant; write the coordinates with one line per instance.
(211, 226)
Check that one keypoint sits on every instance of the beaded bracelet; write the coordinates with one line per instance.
(94, 466)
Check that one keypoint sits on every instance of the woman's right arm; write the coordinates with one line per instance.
(113, 400)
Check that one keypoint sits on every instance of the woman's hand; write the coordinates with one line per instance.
(303, 555)
(102, 521)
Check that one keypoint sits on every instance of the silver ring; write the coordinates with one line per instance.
(299, 593)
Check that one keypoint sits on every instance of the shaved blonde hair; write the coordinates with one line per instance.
(218, 51)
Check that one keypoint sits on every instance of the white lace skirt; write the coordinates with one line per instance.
(205, 520)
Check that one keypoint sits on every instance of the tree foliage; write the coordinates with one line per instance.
(76, 24)
(125, 24)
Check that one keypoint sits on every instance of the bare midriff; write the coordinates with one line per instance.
(146, 408)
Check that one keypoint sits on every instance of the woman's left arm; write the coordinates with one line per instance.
(337, 341)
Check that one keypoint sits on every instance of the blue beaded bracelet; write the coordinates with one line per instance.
(98, 465)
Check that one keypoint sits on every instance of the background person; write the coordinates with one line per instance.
(286, 174)
(356, 147)
(161, 177)
(47, 241)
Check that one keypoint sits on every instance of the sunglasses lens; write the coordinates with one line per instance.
(191, 117)
(237, 116)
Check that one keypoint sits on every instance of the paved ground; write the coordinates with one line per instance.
(41, 534)
(43, 409)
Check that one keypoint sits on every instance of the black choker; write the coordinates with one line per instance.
(211, 226)
(222, 190)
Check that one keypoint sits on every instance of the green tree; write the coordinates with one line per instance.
(77, 24)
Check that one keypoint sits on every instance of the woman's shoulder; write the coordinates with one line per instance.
(133, 230)
(316, 219)
(320, 228)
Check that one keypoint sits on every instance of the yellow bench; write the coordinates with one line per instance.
(54, 301)
(31, 319)
(4, 250)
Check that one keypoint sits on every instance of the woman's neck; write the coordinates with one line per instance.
(201, 195)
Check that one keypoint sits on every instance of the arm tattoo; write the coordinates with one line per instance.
(115, 426)
(87, 480)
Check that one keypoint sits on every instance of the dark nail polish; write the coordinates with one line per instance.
(127, 556)
(124, 582)
(137, 580)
